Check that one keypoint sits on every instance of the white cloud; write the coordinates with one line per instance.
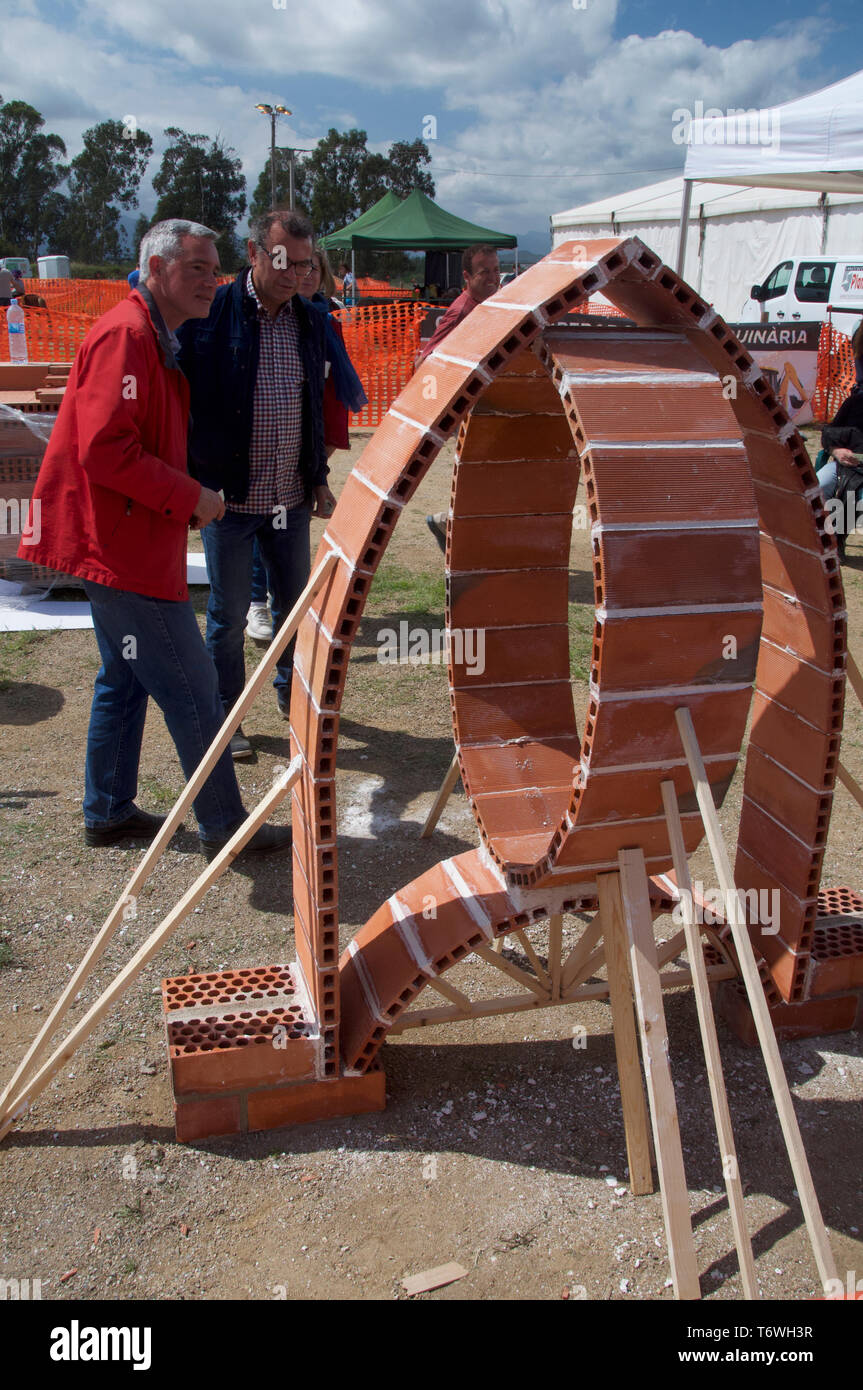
(517, 88)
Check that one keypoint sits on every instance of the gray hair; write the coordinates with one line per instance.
(166, 239)
(294, 223)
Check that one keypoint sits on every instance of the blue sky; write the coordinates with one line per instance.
(538, 106)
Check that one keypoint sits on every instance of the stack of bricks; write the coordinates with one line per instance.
(662, 417)
(245, 1053)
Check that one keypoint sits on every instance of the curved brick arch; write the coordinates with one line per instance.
(802, 644)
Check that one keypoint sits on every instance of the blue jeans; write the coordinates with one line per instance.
(228, 544)
(828, 479)
(152, 647)
(260, 582)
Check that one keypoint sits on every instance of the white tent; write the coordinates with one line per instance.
(814, 143)
(735, 236)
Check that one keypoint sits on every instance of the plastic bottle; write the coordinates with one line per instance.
(17, 334)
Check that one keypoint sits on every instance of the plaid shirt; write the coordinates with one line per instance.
(274, 450)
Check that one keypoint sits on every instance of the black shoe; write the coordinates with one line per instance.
(270, 839)
(438, 528)
(140, 825)
(240, 746)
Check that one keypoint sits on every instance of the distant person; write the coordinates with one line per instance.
(133, 278)
(348, 283)
(11, 287)
(481, 275)
(841, 473)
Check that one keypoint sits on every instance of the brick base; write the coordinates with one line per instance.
(830, 1013)
(206, 1117)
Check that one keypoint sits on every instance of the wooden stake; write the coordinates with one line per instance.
(757, 1003)
(443, 796)
(852, 671)
(555, 952)
(159, 844)
(635, 1123)
(660, 1088)
(850, 783)
(145, 953)
(710, 1042)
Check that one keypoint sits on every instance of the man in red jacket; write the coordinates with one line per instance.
(115, 499)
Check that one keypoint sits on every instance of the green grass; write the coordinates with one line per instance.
(580, 640)
(158, 793)
(5, 954)
(17, 650)
(132, 1211)
(396, 589)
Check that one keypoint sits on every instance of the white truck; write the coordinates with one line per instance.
(803, 289)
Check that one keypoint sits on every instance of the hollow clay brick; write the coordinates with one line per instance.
(322, 1100)
(679, 649)
(817, 697)
(519, 437)
(806, 1019)
(205, 1119)
(526, 542)
(653, 485)
(528, 764)
(649, 569)
(508, 599)
(804, 810)
(506, 488)
(812, 575)
(644, 730)
(788, 739)
(496, 656)
(494, 714)
(817, 639)
(519, 395)
(786, 522)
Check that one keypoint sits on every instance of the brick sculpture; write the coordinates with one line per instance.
(712, 568)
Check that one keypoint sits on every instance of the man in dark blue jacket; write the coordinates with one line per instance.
(256, 371)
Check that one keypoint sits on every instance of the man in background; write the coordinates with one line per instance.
(255, 366)
(115, 501)
(481, 275)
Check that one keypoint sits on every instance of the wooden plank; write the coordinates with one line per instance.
(443, 796)
(758, 1004)
(635, 1123)
(555, 952)
(671, 948)
(448, 991)
(852, 670)
(538, 968)
(582, 960)
(710, 1042)
(480, 1008)
(660, 1088)
(507, 968)
(173, 820)
(433, 1278)
(850, 783)
(223, 860)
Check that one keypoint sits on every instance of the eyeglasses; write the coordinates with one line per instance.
(280, 261)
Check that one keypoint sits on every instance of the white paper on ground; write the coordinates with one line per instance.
(20, 612)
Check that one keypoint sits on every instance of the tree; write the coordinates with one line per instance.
(343, 179)
(405, 173)
(262, 196)
(202, 180)
(29, 172)
(103, 178)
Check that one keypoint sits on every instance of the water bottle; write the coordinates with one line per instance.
(17, 334)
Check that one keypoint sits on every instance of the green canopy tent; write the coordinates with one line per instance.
(343, 238)
(419, 224)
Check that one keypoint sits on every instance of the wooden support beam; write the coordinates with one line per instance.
(660, 1088)
(507, 968)
(555, 952)
(156, 849)
(583, 959)
(536, 964)
(635, 1123)
(757, 1003)
(855, 678)
(710, 1042)
(443, 796)
(455, 996)
(850, 783)
(480, 1008)
(145, 953)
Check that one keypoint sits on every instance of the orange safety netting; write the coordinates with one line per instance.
(51, 337)
(836, 373)
(93, 297)
(382, 341)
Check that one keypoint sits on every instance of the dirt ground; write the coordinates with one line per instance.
(501, 1146)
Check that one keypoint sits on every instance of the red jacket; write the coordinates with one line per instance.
(114, 491)
(458, 310)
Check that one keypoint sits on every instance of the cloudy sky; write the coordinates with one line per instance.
(538, 105)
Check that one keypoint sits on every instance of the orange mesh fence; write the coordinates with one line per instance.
(382, 341)
(51, 337)
(835, 372)
(93, 297)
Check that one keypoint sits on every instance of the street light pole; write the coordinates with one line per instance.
(274, 112)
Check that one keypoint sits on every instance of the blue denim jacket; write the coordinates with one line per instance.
(219, 356)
